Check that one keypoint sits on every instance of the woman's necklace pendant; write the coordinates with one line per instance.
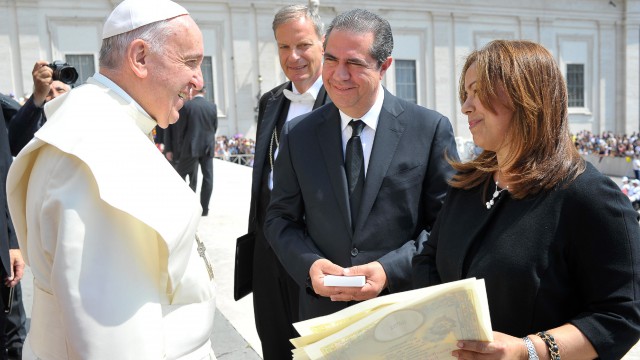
(496, 193)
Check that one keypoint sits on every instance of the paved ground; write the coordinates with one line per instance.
(234, 337)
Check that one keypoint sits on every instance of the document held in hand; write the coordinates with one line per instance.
(357, 281)
(418, 324)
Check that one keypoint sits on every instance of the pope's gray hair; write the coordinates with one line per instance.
(113, 49)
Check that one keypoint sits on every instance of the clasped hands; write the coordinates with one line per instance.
(376, 280)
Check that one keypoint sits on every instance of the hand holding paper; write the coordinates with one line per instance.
(374, 275)
(376, 281)
(425, 323)
(332, 280)
(319, 269)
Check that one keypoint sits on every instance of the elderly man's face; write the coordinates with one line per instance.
(176, 71)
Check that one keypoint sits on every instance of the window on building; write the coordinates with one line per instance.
(207, 76)
(85, 66)
(406, 87)
(575, 84)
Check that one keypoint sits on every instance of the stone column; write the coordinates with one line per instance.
(631, 73)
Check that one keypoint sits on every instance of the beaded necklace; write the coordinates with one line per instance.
(494, 198)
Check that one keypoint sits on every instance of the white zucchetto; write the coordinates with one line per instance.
(132, 14)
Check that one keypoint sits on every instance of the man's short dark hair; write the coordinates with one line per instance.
(361, 21)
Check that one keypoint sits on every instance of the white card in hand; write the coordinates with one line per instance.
(332, 280)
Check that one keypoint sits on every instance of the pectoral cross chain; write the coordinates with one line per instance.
(202, 251)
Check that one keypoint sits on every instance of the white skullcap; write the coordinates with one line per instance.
(132, 14)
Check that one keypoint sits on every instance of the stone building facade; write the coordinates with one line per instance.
(596, 43)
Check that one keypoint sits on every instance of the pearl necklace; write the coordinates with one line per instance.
(496, 193)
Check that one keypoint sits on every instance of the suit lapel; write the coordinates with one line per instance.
(274, 107)
(272, 112)
(388, 133)
(476, 219)
(330, 140)
(322, 98)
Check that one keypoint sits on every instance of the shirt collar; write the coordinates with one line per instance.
(115, 87)
(313, 90)
(371, 117)
(146, 122)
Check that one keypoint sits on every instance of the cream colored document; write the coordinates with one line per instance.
(418, 324)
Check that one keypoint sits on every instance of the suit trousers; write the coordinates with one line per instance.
(3, 334)
(275, 299)
(189, 166)
(16, 329)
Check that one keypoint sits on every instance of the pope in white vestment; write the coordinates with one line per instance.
(108, 229)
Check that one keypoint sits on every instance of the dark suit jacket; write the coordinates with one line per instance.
(8, 238)
(570, 255)
(272, 106)
(194, 134)
(24, 124)
(309, 216)
(9, 106)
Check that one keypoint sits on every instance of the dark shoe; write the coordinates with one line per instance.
(205, 213)
(14, 353)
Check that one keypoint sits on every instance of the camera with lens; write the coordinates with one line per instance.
(64, 72)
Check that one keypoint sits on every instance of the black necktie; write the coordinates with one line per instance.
(354, 165)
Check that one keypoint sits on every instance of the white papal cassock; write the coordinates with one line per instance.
(107, 227)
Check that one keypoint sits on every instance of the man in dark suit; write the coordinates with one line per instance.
(191, 142)
(15, 329)
(357, 198)
(10, 255)
(298, 32)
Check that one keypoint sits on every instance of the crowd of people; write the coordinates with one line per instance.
(235, 145)
(237, 149)
(607, 143)
(587, 142)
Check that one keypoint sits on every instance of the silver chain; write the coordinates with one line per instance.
(274, 137)
(202, 251)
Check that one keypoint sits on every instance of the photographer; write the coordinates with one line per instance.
(31, 116)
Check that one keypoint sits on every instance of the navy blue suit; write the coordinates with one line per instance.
(192, 141)
(8, 238)
(309, 216)
(24, 124)
(275, 294)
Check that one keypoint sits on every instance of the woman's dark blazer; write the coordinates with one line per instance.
(571, 255)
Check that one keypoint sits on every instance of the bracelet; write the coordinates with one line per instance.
(548, 339)
(531, 350)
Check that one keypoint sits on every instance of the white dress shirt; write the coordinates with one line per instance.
(368, 133)
(296, 109)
